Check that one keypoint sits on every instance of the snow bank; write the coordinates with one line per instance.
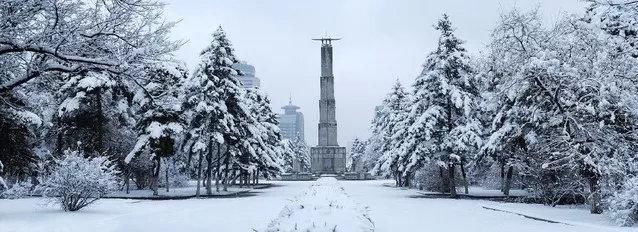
(325, 206)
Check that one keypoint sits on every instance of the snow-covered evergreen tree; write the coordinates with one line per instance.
(94, 107)
(265, 148)
(288, 156)
(160, 126)
(19, 135)
(389, 128)
(355, 157)
(442, 118)
(216, 110)
(302, 154)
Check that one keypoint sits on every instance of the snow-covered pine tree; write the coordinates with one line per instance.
(372, 154)
(288, 156)
(377, 141)
(357, 150)
(264, 139)
(95, 115)
(302, 154)
(18, 124)
(214, 103)
(444, 126)
(390, 125)
(160, 125)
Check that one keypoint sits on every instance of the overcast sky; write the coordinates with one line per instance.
(382, 41)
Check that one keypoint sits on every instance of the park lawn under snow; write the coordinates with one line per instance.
(209, 214)
(186, 191)
(389, 209)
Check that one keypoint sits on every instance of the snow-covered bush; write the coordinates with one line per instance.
(18, 190)
(623, 205)
(428, 178)
(77, 181)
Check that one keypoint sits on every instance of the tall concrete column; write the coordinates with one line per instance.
(327, 156)
(327, 117)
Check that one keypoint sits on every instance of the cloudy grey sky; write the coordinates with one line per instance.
(383, 40)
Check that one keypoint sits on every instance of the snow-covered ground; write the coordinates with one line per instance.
(210, 214)
(481, 192)
(324, 206)
(186, 191)
(394, 209)
(389, 209)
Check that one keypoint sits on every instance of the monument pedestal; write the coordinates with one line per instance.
(328, 159)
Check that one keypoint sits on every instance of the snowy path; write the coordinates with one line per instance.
(390, 209)
(324, 206)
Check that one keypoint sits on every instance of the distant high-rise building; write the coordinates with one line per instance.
(248, 79)
(291, 122)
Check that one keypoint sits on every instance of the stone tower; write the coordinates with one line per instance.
(327, 156)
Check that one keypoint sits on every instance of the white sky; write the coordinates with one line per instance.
(382, 41)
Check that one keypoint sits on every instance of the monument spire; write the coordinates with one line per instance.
(327, 111)
(327, 156)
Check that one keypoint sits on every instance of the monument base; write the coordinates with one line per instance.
(328, 160)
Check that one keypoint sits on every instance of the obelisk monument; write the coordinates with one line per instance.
(327, 156)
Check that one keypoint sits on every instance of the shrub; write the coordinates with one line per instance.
(623, 205)
(77, 181)
(18, 190)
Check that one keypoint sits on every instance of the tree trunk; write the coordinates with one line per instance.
(257, 177)
(99, 122)
(166, 168)
(508, 181)
(199, 173)
(406, 181)
(218, 169)
(209, 168)
(502, 167)
(240, 178)
(399, 178)
(156, 173)
(226, 161)
(594, 197)
(452, 181)
(234, 182)
(128, 178)
(466, 183)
